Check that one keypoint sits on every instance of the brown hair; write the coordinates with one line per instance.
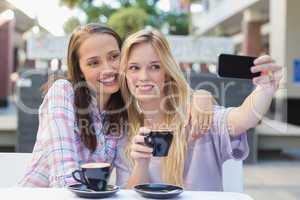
(83, 97)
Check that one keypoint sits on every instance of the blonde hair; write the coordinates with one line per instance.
(178, 93)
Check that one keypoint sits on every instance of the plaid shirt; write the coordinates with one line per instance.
(58, 150)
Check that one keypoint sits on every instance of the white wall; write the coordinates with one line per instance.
(285, 41)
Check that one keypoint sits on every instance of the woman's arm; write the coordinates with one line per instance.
(54, 155)
(139, 174)
(57, 117)
(246, 116)
(141, 155)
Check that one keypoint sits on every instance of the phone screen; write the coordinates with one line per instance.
(234, 66)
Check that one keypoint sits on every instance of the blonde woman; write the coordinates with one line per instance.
(159, 94)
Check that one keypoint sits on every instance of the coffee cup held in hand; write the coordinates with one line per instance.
(160, 141)
(94, 175)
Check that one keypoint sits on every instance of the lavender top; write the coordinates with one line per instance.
(205, 156)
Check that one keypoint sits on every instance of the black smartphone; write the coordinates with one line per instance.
(234, 66)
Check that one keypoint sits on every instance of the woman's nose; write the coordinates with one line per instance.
(108, 71)
(143, 75)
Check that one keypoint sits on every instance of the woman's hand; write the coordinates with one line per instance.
(200, 112)
(140, 153)
(271, 73)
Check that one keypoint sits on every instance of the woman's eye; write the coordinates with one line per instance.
(93, 63)
(133, 67)
(155, 67)
(116, 56)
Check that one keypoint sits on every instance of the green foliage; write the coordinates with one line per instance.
(71, 24)
(94, 12)
(71, 3)
(128, 20)
(178, 23)
(131, 16)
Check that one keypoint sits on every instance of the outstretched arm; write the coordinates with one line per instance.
(246, 116)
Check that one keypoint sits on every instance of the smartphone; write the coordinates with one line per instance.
(234, 66)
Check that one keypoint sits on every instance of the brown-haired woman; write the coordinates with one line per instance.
(80, 119)
(71, 118)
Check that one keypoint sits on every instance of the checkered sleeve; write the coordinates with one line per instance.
(57, 119)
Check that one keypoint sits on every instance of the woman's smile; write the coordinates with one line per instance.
(109, 79)
(145, 87)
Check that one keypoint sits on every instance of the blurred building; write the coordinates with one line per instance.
(14, 26)
(258, 27)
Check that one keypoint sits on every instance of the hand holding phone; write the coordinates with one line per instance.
(235, 66)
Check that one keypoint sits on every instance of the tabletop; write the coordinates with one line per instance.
(17, 193)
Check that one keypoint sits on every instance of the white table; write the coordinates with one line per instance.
(64, 194)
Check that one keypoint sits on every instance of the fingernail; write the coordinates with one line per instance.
(255, 61)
